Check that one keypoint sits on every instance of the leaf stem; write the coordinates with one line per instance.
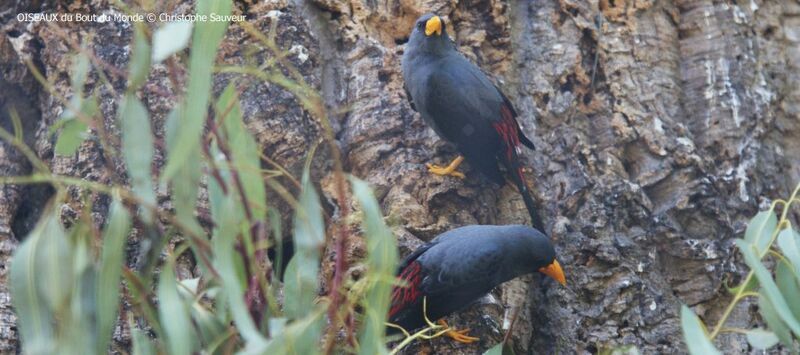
(741, 293)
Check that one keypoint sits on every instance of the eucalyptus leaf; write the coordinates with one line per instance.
(759, 230)
(789, 242)
(170, 38)
(210, 328)
(309, 235)
(381, 264)
(761, 339)
(140, 58)
(35, 322)
(137, 148)
(206, 38)
(244, 150)
(309, 226)
(752, 285)
(112, 261)
(73, 133)
(54, 278)
(495, 350)
(228, 221)
(142, 344)
(174, 312)
(80, 71)
(299, 337)
(695, 335)
(773, 320)
(300, 285)
(768, 286)
(789, 287)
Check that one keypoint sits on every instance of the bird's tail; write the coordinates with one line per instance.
(514, 168)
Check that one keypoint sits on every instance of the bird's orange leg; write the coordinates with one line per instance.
(458, 335)
(450, 169)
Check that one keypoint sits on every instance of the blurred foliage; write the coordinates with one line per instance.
(73, 287)
(777, 290)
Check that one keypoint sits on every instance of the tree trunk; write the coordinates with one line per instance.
(660, 128)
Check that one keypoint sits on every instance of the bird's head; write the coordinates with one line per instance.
(528, 250)
(554, 270)
(543, 256)
(430, 35)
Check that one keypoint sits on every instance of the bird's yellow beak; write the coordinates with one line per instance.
(554, 270)
(434, 25)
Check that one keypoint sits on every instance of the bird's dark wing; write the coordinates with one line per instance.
(410, 99)
(511, 135)
(507, 117)
(461, 108)
(411, 273)
(507, 109)
(478, 274)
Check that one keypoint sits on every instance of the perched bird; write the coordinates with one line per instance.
(463, 264)
(464, 107)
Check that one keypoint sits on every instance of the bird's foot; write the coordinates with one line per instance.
(458, 335)
(450, 169)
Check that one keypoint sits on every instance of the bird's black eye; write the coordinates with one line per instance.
(420, 24)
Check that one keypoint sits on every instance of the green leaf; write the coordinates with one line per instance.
(72, 125)
(309, 236)
(309, 227)
(759, 230)
(768, 286)
(185, 190)
(137, 148)
(300, 285)
(142, 345)
(299, 337)
(695, 335)
(495, 350)
(788, 284)
(35, 318)
(752, 285)
(211, 329)
(108, 283)
(381, 264)
(277, 325)
(79, 330)
(72, 135)
(244, 150)
(54, 277)
(206, 39)
(172, 127)
(80, 71)
(140, 58)
(229, 265)
(170, 38)
(789, 242)
(761, 339)
(174, 314)
(773, 320)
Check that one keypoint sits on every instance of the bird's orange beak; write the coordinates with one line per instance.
(434, 25)
(554, 270)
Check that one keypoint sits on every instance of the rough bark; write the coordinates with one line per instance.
(659, 126)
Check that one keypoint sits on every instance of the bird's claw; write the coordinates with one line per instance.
(444, 170)
(460, 336)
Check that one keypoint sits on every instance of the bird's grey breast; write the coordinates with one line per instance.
(417, 73)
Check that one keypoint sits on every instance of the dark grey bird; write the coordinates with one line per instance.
(463, 264)
(464, 107)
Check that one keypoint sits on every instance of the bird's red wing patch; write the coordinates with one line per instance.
(408, 293)
(508, 129)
